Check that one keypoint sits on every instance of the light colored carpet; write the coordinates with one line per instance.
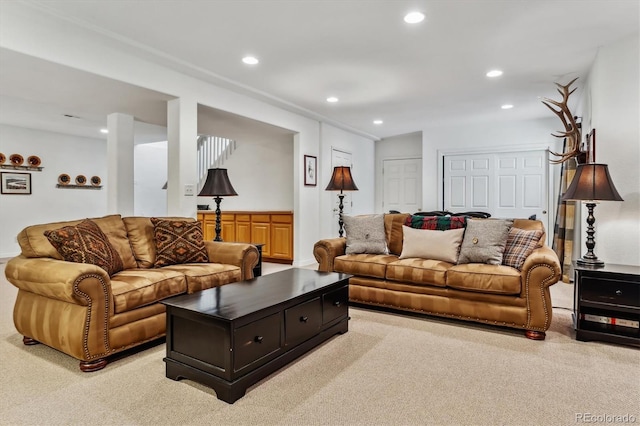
(387, 370)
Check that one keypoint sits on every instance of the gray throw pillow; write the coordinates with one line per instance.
(365, 234)
(484, 241)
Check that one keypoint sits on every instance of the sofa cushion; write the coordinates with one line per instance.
(133, 288)
(140, 232)
(520, 244)
(178, 241)
(495, 279)
(427, 244)
(484, 241)
(441, 223)
(365, 234)
(85, 243)
(367, 265)
(419, 271)
(393, 223)
(531, 225)
(201, 276)
(34, 243)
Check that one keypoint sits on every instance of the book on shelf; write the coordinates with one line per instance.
(610, 320)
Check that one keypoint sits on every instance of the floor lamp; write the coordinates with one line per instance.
(591, 183)
(341, 180)
(217, 185)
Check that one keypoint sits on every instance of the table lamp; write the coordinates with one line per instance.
(217, 185)
(591, 182)
(341, 180)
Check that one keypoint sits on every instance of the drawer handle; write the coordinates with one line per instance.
(336, 303)
(258, 339)
(304, 319)
(618, 292)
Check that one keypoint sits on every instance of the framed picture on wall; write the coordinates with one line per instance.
(15, 183)
(310, 170)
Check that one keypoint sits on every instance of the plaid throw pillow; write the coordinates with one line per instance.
(439, 223)
(85, 243)
(520, 244)
(178, 241)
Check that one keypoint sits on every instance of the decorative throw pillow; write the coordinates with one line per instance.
(484, 241)
(85, 243)
(178, 241)
(365, 234)
(428, 244)
(441, 223)
(520, 244)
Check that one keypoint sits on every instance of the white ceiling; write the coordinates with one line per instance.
(412, 77)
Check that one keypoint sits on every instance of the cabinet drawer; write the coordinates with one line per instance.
(263, 218)
(256, 340)
(281, 218)
(303, 321)
(335, 304)
(243, 218)
(610, 291)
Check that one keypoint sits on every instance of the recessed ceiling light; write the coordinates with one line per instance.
(414, 17)
(494, 73)
(250, 60)
(105, 131)
(377, 121)
(506, 106)
(332, 99)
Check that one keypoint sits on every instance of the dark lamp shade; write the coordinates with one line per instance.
(217, 184)
(592, 182)
(341, 180)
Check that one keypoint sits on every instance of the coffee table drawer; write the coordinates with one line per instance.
(256, 340)
(335, 304)
(303, 321)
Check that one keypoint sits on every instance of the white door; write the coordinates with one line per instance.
(505, 184)
(341, 158)
(402, 185)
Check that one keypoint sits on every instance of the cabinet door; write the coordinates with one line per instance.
(228, 227)
(243, 228)
(261, 233)
(282, 241)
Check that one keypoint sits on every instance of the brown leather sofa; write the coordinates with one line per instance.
(80, 310)
(492, 294)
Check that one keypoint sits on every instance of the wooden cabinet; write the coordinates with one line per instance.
(273, 229)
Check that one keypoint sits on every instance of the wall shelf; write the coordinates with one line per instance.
(78, 186)
(12, 167)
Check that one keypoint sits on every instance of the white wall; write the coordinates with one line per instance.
(59, 154)
(396, 147)
(507, 135)
(613, 108)
(261, 172)
(363, 172)
(149, 175)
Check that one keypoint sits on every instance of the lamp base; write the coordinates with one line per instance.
(593, 263)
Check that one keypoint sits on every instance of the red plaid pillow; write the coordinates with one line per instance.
(439, 223)
(520, 244)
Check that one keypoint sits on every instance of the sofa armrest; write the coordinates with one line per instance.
(325, 251)
(540, 270)
(242, 255)
(58, 279)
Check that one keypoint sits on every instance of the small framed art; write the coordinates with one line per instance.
(310, 170)
(15, 183)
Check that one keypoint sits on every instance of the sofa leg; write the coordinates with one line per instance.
(535, 335)
(95, 365)
(29, 341)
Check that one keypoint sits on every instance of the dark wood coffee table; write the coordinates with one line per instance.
(232, 336)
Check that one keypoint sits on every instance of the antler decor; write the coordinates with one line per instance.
(572, 130)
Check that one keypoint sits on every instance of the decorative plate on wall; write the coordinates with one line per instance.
(81, 180)
(3, 158)
(16, 159)
(95, 180)
(64, 179)
(34, 161)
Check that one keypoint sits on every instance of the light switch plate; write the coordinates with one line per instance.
(189, 190)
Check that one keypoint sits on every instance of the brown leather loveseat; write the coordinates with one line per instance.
(487, 293)
(83, 311)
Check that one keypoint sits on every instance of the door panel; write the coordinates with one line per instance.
(402, 185)
(506, 184)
